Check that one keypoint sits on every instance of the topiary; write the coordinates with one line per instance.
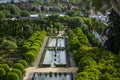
(23, 62)
(30, 57)
(6, 67)
(12, 76)
(19, 66)
(18, 72)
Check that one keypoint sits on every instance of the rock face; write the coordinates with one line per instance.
(116, 5)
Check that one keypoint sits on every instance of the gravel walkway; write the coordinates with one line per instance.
(37, 61)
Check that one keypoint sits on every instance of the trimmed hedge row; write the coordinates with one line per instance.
(31, 48)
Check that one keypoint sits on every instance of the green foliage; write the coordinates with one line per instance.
(86, 61)
(82, 76)
(25, 13)
(12, 76)
(9, 9)
(30, 57)
(27, 31)
(23, 62)
(98, 26)
(90, 25)
(54, 17)
(37, 43)
(32, 38)
(117, 60)
(71, 13)
(18, 72)
(94, 41)
(89, 74)
(35, 48)
(100, 60)
(94, 24)
(94, 63)
(81, 36)
(19, 66)
(73, 40)
(5, 66)
(88, 21)
(2, 16)
(98, 4)
(76, 39)
(78, 31)
(8, 45)
(2, 72)
(106, 76)
(73, 22)
(25, 48)
(27, 43)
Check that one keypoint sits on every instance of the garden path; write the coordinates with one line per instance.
(37, 61)
(32, 70)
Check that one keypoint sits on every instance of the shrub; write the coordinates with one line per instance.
(2, 72)
(36, 48)
(36, 33)
(12, 76)
(27, 43)
(36, 44)
(19, 66)
(30, 57)
(6, 67)
(34, 52)
(39, 42)
(18, 72)
(25, 64)
(25, 48)
(8, 45)
(32, 39)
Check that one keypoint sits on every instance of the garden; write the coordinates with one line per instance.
(55, 53)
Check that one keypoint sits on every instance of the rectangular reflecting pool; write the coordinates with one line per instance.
(55, 57)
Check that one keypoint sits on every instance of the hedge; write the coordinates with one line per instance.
(23, 62)
(19, 66)
(2, 72)
(12, 76)
(5, 66)
(18, 72)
